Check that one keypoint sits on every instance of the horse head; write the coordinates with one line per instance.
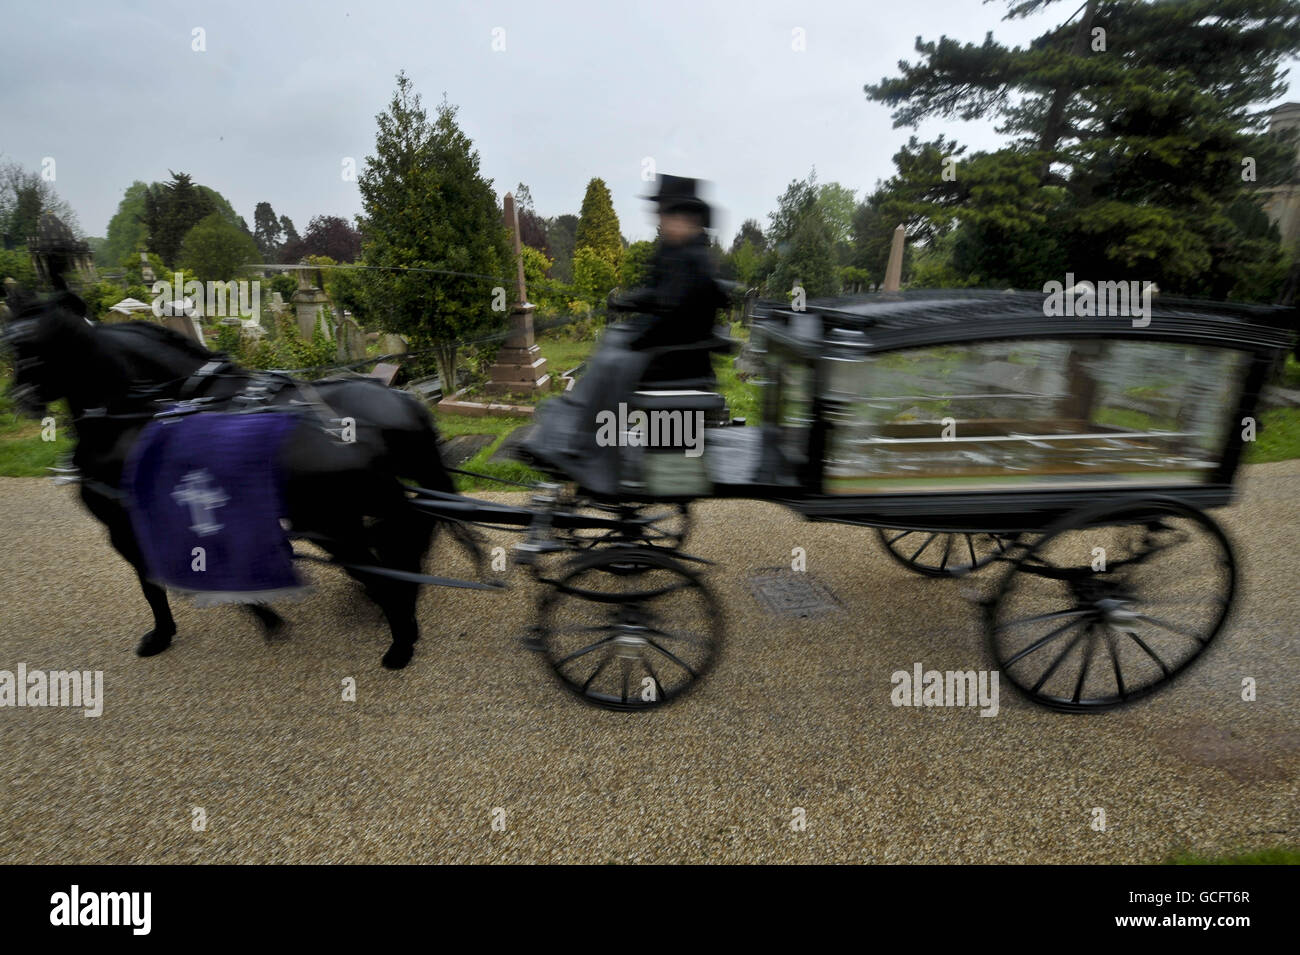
(55, 355)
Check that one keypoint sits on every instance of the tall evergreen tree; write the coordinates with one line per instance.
(171, 210)
(127, 232)
(561, 235)
(267, 231)
(804, 241)
(290, 233)
(598, 228)
(426, 206)
(750, 231)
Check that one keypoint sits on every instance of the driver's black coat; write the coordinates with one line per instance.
(678, 307)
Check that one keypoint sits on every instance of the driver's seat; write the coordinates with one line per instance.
(680, 377)
(686, 367)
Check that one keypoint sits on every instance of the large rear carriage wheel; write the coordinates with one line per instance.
(629, 628)
(1112, 603)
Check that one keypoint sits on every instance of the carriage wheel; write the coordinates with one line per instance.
(1074, 636)
(655, 525)
(629, 628)
(937, 554)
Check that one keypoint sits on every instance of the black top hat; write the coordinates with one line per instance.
(678, 194)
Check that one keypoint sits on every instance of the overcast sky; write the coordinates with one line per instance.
(285, 91)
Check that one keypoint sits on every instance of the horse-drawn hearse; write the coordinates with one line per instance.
(1079, 454)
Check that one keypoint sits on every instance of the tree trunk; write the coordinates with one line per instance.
(444, 354)
(1053, 127)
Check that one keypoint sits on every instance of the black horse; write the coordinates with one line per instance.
(346, 495)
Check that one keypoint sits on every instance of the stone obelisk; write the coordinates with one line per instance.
(520, 367)
(894, 271)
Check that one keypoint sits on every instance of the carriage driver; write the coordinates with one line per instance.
(679, 305)
(677, 308)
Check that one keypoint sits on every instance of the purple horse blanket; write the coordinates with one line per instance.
(206, 494)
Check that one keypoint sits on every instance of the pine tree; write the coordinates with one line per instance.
(426, 206)
(750, 231)
(171, 210)
(804, 241)
(267, 231)
(1140, 114)
(598, 227)
(561, 234)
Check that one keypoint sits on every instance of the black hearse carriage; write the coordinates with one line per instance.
(1082, 453)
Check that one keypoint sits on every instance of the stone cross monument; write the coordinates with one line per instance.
(520, 366)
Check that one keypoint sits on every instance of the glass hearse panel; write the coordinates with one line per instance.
(1029, 412)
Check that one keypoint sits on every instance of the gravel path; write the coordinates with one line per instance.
(797, 714)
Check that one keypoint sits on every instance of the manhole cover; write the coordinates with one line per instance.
(792, 594)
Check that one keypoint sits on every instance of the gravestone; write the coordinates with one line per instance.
(183, 316)
(351, 342)
(520, 366)
(309, 303)
(385, 372)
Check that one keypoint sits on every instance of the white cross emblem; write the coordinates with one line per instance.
(197, 491)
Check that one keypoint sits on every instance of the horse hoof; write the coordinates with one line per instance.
(153, 643)
(398, 655)
(272, 623)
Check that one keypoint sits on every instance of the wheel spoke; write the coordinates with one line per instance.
(1114, 660)
(894, 540)
(660, 693)
(1057, 662)
(1041, 642)
(1087, 657)
(674, 657)
(922, 547)
(1151, 653)
(1165, 625)
(1042, 617)
(585, 650)
(596, 672)
(947, 549)
(970, 545)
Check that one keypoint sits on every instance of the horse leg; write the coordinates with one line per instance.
(270, 620)
(164, 627)
(401, 542)
(348, 545)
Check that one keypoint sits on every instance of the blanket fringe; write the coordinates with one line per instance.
(220, 598)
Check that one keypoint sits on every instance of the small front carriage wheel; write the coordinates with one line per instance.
(939, 554)
(629, 628)
(1112, 603)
